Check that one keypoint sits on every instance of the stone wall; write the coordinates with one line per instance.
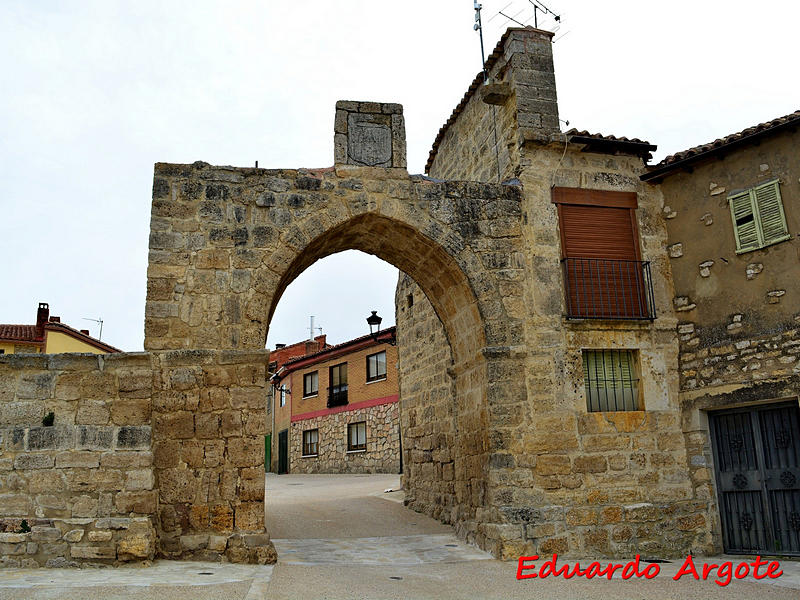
(149, 455)
(383, 442)
(428, 407)
(84, 485)
(481, 141)
(209, 422)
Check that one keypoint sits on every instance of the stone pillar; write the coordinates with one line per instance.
(369, 134)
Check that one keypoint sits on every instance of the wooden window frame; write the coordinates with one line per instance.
(357, 447)
(306, 392)
(378, 376)
(755, 210)
(307, 445)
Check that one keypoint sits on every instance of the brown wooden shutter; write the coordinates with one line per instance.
(599, 241)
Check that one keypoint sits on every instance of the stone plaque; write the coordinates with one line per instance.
(369, 140)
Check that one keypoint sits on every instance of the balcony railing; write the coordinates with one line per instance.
(599, 288)
(337, 395)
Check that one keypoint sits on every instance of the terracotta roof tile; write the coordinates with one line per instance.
(600, 136)
(718, 145)
(20, 333)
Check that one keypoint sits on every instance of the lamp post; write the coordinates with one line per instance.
(374, 322)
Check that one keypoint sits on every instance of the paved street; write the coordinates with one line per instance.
(343, 537)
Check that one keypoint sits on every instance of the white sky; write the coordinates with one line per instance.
(94, 93)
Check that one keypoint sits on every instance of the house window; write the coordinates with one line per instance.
(758, 217)
(283, 392)
(310, 384)
(357, 436)
(376, 366)
(311, 442)
(337, 391)
(611, 380)
(604, 276)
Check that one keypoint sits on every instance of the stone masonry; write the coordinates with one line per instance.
(382, 454)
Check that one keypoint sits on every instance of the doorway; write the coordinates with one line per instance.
(283, 452)
(757, 457)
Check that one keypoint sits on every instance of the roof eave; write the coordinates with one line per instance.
(658, 173)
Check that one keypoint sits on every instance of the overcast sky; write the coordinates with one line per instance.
(94, 93)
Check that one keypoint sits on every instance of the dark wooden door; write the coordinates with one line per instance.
(757, 458)
(283, 452)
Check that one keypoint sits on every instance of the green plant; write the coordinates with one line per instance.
(48, 419)
(24, 527)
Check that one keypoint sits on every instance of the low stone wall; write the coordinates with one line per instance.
(84, 485)
(383, 442)
(149, 454)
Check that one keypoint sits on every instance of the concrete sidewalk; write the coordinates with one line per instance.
(343, 537)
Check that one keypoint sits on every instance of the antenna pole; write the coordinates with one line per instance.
(479, 28)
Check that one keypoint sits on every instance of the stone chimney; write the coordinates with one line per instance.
(529, 54)
(369, 134)
(42, 317)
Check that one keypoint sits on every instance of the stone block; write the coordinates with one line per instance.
(222, 518)
(77, 459)
(590, 464)
(134, 437)
(93, 552)
(33, 461)
(138, 542)
(139, 479)
(100, 536)
(92, 412)
(250, 516)
(245, 452)
(132, 411)
(74, 536)
(45, 533)
(552, 464)
(84, 506)
(136, 502)
(179, 425)
(92, 437)
(51, 438)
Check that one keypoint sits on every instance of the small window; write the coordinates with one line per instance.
(284, 391)
(357, 436)
(376, 366)
(310, 384)
(311, 442)
(758, 217)
(611, 380)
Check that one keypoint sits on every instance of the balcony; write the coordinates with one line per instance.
(599, 288)
(337, 395)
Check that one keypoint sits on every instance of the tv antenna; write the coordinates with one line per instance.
(512, 15)
(479, 28)
(100, 321)
(538, 6)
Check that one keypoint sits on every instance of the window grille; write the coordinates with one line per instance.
(611, 380)
(376, 366)
(311, 442)
(357, 436)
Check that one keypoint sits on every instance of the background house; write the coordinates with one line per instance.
(49, 335)
(343, 412)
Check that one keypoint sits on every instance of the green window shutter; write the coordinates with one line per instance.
(745, 227)
(770, 213)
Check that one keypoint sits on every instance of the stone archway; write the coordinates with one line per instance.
(225, 242)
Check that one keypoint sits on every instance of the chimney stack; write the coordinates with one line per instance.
(42, 317)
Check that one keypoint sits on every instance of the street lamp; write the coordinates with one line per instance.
(374, 322)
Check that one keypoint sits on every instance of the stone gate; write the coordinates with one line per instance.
(226, 242)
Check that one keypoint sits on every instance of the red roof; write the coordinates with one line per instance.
(28, 334)
(20, 333)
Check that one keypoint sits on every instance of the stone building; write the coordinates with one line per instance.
(732, 209)
(279, 407)
(343, 405)
(583, 369)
